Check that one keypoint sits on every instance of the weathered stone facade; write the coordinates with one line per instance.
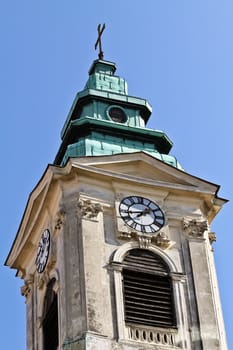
(79, 204)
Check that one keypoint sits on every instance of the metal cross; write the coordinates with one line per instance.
(98, 41)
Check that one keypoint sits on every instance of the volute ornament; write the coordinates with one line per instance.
(162, 241)
(26, 289)
(59, 219)
(212, 237)
(195, 228)
(88, 209)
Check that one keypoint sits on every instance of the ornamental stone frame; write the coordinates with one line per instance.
(175, 338)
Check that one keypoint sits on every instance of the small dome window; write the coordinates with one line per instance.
(117, 114)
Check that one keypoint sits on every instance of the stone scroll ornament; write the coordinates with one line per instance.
(195, 228)
(59, 219)
(26, 289)
(89, 210)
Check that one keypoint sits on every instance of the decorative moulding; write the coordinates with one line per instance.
(88, 209)
(212, 237)
(144, 241)
(59, 219)
(26, 289)
(161, 239)
(195, 228)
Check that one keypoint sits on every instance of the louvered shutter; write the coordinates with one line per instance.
(148, 297)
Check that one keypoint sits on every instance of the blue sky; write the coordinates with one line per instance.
(177, 54)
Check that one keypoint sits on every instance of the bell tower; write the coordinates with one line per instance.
(115, 244)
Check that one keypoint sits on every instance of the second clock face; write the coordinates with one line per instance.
(141, 214)
(43, 251)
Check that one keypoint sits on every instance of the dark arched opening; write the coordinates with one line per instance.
(50, 319)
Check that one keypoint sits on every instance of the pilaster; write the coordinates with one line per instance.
(197, 235)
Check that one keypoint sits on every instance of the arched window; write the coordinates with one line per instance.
(147, 290)
(50, 319)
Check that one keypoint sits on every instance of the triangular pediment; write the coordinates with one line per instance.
(141, 169)
(142, 166)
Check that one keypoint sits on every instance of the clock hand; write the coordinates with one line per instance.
(144, 212)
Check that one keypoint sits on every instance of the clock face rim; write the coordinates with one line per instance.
(43, 251)
(141, 214)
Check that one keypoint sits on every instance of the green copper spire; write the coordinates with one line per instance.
(105, 120)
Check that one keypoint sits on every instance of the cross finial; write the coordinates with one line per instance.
(98, 41)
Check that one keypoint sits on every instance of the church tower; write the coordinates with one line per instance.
(115, 245)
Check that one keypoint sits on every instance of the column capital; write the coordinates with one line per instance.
(89, 209)
(195, 228)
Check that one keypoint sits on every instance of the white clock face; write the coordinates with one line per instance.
(43, 251)
(141, 214)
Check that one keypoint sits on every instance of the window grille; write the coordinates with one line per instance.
(148, 294)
